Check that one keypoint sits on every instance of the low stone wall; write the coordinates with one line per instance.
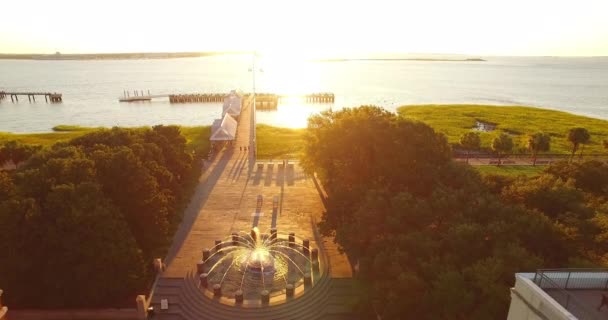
(77, 314)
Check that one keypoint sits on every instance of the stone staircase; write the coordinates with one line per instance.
(328, 299)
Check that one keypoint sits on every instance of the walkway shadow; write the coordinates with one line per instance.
(274, 218)
(268, 175)
(197, 202)
(258, 175)
(281, 183)
(233, 166)
(289, 176)
(246, 162)
(256, 217)
(280, 179)
(236, 166)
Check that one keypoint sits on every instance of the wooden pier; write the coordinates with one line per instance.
(264, 101)
(173, 98)
(31, 96)
(323, 97)
(197, 97)
(270, 101)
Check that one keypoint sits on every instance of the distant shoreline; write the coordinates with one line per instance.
(113, 56)
(174, 55)
(403, 59)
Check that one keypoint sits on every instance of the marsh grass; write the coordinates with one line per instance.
(197, 137)
(454, 120)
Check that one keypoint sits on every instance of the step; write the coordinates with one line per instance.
(289, 309)
(212, 306)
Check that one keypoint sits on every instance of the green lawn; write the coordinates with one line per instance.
(275, 143)
(510, 170)
(43, 139)
(197, 137)
(454, 120)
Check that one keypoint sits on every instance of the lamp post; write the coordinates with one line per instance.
(253, 71)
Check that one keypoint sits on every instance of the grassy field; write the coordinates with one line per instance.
(510, 170)
(197, 137)
(43, 139)
(454, 120)
(275, 143)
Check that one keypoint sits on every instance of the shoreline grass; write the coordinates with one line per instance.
(197, 137)
(73, 128)
(452, 120)
(517, 121)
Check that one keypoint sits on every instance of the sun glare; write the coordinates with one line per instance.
(289, 75)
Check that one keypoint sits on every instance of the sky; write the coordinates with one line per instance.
(311, 28)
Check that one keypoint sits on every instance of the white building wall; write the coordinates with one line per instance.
(529, 302)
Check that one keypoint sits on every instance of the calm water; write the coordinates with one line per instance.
(91, 88)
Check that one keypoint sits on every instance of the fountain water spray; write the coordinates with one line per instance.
(251, 264)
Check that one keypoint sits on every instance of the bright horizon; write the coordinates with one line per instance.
(313, 28)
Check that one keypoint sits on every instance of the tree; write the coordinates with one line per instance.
(94, 209)
(470, 141)
(578, 136)
(84, 242)
(16, 152)
(425, 227)
(502, 145)
(538, 142)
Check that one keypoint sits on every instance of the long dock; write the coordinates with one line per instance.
(31, 96)
(264, 101)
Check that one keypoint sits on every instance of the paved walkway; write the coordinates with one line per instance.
(525, 161)
(225, 202)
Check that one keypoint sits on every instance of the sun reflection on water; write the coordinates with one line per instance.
(291, 77)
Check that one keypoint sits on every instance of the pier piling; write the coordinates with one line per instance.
(31, 96)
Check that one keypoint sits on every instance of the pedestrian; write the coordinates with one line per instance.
(603, 302)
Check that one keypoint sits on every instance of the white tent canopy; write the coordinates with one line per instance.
(226, 131)
(232, 105)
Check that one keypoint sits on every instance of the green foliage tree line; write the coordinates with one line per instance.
(434, 240)
(81, 221)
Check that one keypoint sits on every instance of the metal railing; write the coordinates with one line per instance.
(558, 282)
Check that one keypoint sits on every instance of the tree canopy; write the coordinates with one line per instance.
(578, 136)
(435, 240)
(16, 152)
(502, 145)
(470, 140)
(87, 217)
(538, 142)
